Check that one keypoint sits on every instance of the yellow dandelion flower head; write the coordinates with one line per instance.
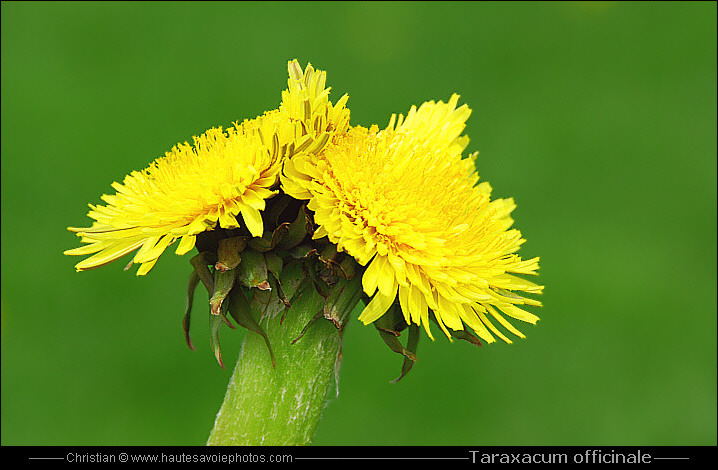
(224, 173)
(404, 203)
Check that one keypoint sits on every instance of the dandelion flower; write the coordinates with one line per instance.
(406, 205)
(223, 174)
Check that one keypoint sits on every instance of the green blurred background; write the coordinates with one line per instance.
(598, 118)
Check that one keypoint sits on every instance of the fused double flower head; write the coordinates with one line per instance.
(397, 213)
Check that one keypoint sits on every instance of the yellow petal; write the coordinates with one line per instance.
(370, 280)
(155, 251)
(186, 244)
(109, 254)
(491, 326)
(253, 219)
(145, 267)
(377, 307)
(88, 249)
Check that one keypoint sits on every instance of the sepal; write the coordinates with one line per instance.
(297, 230)
(200, 263)
(342, 299)
(252, 271)
(389, 327)
(214, 323)
(223, 283)
(411, 344)
(269, 239)
(229, 253)
(466, 335)
(191, 286)
(242, 311)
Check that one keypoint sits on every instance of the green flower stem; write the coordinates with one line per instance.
(265, 405)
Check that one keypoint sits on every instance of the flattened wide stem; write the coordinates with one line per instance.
(281, 406)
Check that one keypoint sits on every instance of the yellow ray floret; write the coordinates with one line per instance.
(404, 203)
(222, 175)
